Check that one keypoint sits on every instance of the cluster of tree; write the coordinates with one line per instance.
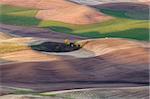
(72, 44)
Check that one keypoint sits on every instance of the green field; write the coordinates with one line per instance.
(18, 16)
(122, 26)
(118, 27)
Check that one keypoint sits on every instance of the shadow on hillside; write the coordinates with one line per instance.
(126, 10)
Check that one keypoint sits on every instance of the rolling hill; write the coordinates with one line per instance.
(56, 11)
(95, 71)
(72, 49)
(123, 24)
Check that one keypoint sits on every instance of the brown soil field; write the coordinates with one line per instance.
(61, 10)
(98, 63)
(102, 46)
(38, 33)
(23, 40)
(28, 56)
(145, 2)
(27, 36)
(4, 36)
(113, 69)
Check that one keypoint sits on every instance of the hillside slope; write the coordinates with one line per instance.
(4, 36)
(61, 10)
(121, 67)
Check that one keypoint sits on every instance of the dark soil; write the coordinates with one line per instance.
(55, 47)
